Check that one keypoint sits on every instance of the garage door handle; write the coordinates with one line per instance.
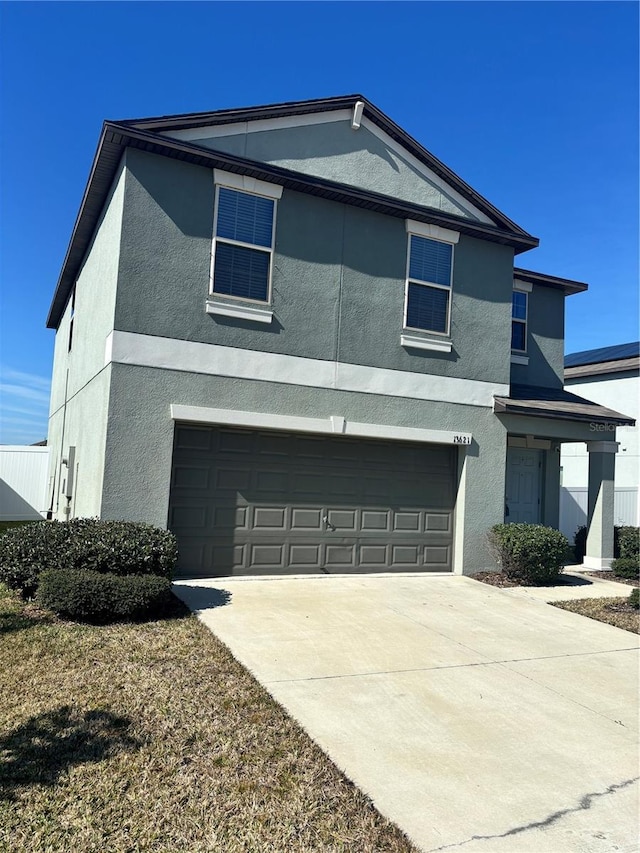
(325, 519)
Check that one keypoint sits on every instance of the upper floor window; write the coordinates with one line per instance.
(243, 245)
(243, 237)
(428, 292)
(519, 306)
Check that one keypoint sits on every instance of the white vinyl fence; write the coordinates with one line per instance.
(573, 508)
(23, 482)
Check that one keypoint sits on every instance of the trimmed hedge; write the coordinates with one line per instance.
(116, 547)
(90, 596)
(530, 553)
(629, 539)
(626, 567)
(634, 598)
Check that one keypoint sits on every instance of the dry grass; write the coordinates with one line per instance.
(613, 611)
(152, 737)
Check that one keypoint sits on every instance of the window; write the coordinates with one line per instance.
(519, 321)
(428, 295)
(243, 245)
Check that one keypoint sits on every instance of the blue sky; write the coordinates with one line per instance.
(533, 104)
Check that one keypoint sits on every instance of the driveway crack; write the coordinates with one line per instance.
(584, 804)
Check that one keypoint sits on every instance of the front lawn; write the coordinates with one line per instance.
(151, 737)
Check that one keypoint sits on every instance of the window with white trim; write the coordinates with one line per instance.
(519, 306)
(243, 245)
(428, 290)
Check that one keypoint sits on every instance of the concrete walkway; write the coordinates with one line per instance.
(478, 719)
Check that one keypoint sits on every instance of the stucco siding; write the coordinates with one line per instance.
(82, 424)
(545, 340)
(336, 152)
(338, 280)
(79, 392)
(140, 440)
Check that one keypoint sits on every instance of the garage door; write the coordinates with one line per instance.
(252, 502)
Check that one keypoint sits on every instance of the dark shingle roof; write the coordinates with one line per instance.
(596, 356)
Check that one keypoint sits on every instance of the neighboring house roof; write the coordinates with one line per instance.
(594, 362)
(556, 403)
(150, 135)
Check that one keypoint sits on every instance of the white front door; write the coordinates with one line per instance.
(523, 486)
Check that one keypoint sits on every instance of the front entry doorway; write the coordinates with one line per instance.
(523, 485)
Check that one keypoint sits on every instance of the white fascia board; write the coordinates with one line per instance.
(246, 184)
(435, 232)
(333, 425)
(436, 180)
(215, 360)
(258, 126)
(243, 312)
(522, 286)
(435, 344)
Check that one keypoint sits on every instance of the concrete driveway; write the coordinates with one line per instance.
(477, 719)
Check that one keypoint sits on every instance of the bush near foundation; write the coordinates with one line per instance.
(634, 598)
(115, 547)
(629, 541)
(626, 567)
(529, 553)
(90, 596)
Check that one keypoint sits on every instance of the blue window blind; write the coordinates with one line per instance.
(519, 305)
(243, 217)
(430, 261)
(518, 335)
(518, 321)
(241, 272)
(427, 308)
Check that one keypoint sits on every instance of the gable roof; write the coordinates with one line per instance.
(150, 135)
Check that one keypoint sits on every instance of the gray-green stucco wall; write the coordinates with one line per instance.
(338, 279)
(140, 440)
(336, 152)
(545, 340)
(81, 381)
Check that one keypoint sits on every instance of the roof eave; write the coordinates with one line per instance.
(565, 284)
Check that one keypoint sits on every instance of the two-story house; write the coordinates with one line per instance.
(296, 338)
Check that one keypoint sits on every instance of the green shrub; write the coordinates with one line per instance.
(629, 539)
(116, 547)
(634, 598)
(26, 551)
(529, 553)
(626, 567)
(90, 596)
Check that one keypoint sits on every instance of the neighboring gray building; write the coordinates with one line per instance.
(293, 336)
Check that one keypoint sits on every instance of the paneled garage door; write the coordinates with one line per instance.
(253, 502)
